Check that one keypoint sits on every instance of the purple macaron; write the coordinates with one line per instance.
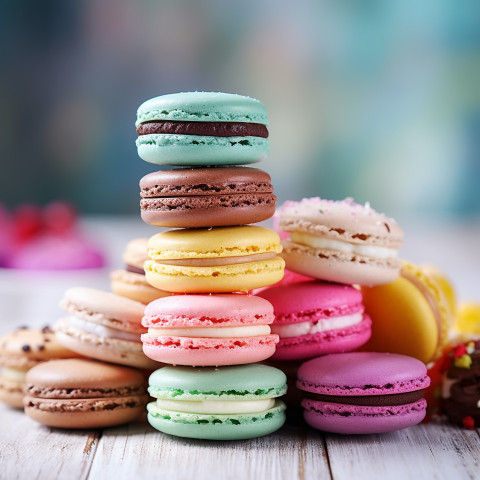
(362, 392)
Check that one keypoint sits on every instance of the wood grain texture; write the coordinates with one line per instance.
(432, 451)
(29, 450)
(138, 451)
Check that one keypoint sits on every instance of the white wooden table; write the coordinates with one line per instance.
(31, 451)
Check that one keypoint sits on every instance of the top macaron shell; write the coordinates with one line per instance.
(340, 241)
(185, 149)
(362, 373)
(206, 197)
(331, 316)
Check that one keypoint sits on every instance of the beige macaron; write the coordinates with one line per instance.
(84, 394)
(130, 281)
(21, 350)
(342, 242)
(104, 326)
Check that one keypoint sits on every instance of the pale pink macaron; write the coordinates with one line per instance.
(209, 330)
(314, 318)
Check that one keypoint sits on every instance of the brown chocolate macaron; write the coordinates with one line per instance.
(79, 393)
(206, 197)
(21, 350)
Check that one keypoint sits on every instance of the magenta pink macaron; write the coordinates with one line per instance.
(363, 392)
(209, 330)
(315, 318)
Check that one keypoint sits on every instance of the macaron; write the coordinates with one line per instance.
(202, 128)
(103, 326)
(130, 281)
(227, 403)
(410, 316)
(314, 318)
(340, 242)
(460, 397)
(206, 197)
(214, 260)
(21, 350)
(84, 394)
(466, 325)
(209, 330)
(363, 392)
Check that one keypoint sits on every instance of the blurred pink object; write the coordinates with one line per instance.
(45, 239)
(49, 252)
(6, 235)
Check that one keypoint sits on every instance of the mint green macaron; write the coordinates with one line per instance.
(225, 403)
(202, 128)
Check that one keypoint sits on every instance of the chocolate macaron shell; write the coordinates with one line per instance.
(84, 394)
(181, 182)
(204, 197)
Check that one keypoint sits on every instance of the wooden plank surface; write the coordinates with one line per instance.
(432, 451)
(139, 451)
(29, 450)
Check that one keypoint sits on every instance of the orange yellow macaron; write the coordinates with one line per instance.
(411, 315)
(214, 260)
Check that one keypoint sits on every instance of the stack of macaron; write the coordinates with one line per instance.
(344, 248)
(211, 330)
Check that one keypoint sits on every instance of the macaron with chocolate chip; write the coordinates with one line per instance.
(202, 128)
(130, 281)
(84, 394)
(21, 350)
(206, 197)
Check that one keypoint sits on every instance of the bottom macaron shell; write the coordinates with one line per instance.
(217, 427)
(227, 212)
(354, 419)
(327, 265)
(111, 350)
(228, 278)
(322, 343)
(80, 420)
(209, 351)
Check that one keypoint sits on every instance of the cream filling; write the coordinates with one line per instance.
(214, 262)
(14, 374)
(212, 332)
(218, 407)
(102, 331)
(324, 324)
(347, 247)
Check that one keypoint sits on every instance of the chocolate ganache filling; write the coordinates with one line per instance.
(388, 400)
(131, 268)
(214, 129)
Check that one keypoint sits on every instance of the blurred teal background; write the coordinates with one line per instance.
(378, 99)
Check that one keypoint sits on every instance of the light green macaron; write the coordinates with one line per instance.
(202, 128)
(225, 403)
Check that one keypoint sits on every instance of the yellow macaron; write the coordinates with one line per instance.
(222, 259)
(411, 315)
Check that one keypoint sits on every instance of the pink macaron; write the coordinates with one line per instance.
(363, 392)
(314, 318)
(209, 330)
